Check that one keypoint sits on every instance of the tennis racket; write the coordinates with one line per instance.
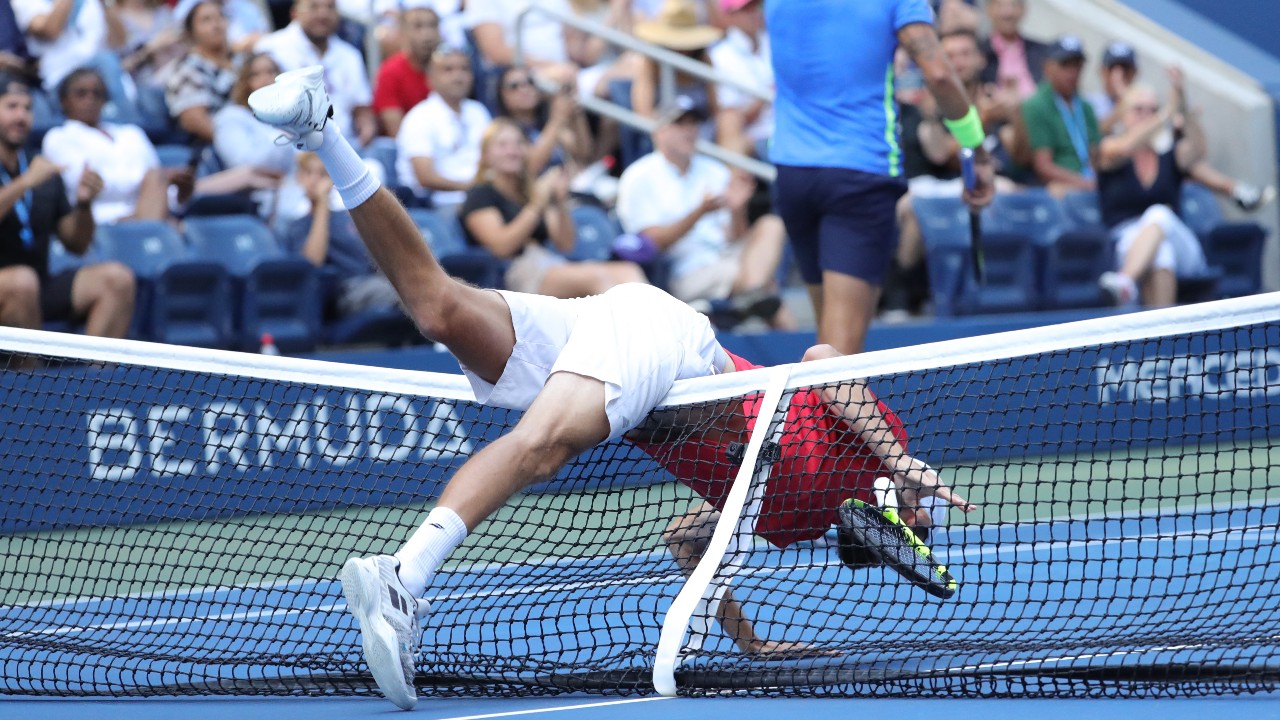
(878, 534)
(975, 218)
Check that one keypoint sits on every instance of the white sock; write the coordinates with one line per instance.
(427, 548)
(347, 170)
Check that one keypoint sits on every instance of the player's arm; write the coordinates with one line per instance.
(959, 114)
(855, 404)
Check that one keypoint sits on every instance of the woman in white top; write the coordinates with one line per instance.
(135, 187)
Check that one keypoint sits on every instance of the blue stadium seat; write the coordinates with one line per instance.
(1032, 213)
(1072, 266)
(1081, 211)
(1233, 249)
(46, 115)
(279, 294)
(1011, 282)
(443, 234)
(944, 224)
(595, 234)
(173, 156)
(383, 151)
(180, 300)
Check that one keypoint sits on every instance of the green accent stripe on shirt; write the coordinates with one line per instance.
(891, 124)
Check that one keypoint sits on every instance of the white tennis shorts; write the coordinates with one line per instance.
(1180, 253)
(634, 338)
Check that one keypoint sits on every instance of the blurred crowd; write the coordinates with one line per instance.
(137, 110)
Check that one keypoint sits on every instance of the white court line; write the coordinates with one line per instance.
(1243, 532)
(584, 706)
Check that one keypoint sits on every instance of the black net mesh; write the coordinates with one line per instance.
(173, 532)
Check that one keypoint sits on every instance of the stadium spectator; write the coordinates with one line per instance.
(152, 38)
(247, 21)
(542, 41)
(387, 26)
(240, 141)
(327, 238)
(34, 206)
(676, 28)
(956, 15)
(14, 55)
(1118, 74)
(135, 187)
(516, 217)
(694, 210)
(1060, 129)
(556, 127)
(1118, 70)
(744, 122)
(1014, 61)
(200, 83)
(402, 79)
(707, 12)
(68, 34)
(311, 39)
(1140, 175)
(438, 146)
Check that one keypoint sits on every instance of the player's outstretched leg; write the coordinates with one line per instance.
(474, 324)
(390, 624)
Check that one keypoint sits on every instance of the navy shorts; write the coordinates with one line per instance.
(55, 297)
(839, 219)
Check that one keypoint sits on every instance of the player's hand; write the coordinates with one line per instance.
(910, 473)
(984, 186)
(40, 171)
(89, 187)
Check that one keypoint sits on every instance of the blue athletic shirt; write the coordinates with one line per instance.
(833, 65)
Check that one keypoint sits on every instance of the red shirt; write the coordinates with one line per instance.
(399, 85)
(823, 464)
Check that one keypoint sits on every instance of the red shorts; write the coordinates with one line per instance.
(822, 464)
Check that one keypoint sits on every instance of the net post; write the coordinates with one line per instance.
(676, 624)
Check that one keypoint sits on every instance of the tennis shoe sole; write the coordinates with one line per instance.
(363, 586)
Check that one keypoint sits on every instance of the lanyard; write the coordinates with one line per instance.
(23, 206)
(1073, 118)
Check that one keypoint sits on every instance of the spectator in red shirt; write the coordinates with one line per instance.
(402, 79)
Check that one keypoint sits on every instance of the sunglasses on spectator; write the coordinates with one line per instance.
(518, 83)
(1145, 108)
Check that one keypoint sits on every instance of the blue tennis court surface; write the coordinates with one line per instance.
(1074, 580)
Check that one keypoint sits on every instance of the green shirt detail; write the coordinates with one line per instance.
(1046, 128)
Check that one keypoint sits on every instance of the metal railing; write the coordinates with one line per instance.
(668, 63)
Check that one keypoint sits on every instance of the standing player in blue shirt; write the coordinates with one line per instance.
(836, 144)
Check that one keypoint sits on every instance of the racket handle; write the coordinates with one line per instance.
(966, 168)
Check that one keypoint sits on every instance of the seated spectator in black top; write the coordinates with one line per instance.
(328, 239)
(1140, 175)
(202, 80)
(1119, 71)
(515, 217)
(555, 127)
(1014, 61)
(33, 207)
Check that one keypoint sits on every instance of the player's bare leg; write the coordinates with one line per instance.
(687, 538)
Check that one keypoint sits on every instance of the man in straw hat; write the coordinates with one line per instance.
(836, 145)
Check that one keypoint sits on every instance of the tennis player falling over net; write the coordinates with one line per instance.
(583, 370)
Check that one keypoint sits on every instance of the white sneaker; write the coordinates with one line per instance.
(296, 103)
(1250, 197)
(1122, 288)
(389, 618)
